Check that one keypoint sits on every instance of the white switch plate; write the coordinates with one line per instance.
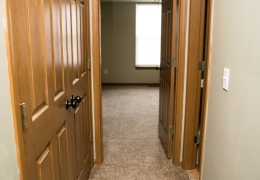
(226, 79)
(105, 71)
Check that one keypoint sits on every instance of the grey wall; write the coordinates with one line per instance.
(118, 45)
(232, 150)
(8, 157)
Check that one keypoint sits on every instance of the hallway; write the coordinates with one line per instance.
(132, 149)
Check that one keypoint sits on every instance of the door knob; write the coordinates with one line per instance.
(158, 68)
(71, 103)
(77, 98)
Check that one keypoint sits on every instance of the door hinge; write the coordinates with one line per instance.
(174, 62)
(23, 115)
(202, 66)
(171, 131)
(91, 137)
(197, 139)
(89, 64)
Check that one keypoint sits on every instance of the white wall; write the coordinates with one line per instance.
(232, 150)
(118, 45)
(8, 158)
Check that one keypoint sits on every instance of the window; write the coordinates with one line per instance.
(148, 35)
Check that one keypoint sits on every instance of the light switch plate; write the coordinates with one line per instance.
(226, 79)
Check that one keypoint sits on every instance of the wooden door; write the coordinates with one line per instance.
(41, 67)
(167, 73)
(40, 48)
(78, 54)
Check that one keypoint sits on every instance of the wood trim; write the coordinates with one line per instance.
(14, 91)
(89, 79)
(96, 61)
(180, 82)
(208, 46)
(133, 84)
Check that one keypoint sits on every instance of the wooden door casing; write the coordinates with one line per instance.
(167, 73)
(39, 45)
(194, 76)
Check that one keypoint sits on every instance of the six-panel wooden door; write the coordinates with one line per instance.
(49, 48)
(167, 73)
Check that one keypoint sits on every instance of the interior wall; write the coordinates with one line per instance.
(232, 147)
(118, 45)
(8, 157)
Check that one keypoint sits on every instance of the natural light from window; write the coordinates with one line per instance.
(148, 35)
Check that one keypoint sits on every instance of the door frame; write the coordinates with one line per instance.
(197, 15)
(206, 87)
(205, 100)
(14, 90)
(180, 75)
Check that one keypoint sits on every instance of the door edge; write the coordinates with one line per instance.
(183, 5)
(14, 91)
(96, 81)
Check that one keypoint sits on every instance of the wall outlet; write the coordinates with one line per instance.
(105, 71)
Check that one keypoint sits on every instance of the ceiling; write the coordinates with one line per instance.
(131, 0)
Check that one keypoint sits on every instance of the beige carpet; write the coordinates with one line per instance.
(132, 149)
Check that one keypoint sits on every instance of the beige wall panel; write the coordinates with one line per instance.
(9, 163)
(232, 148)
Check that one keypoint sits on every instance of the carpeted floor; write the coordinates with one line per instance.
(132, 149)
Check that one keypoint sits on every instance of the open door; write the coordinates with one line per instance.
(78, 53)
(43, 89)
(167, 73)
(48, 55)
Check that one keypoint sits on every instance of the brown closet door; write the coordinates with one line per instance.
(48, 42)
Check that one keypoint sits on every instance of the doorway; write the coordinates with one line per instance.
(179, 123)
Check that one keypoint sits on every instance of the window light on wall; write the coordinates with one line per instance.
(148, 35)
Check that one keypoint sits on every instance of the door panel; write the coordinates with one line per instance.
(37, 61)
(42, 44)
(167, 74)
(80, 9)
(168, 37)
(73, 27)
(44, 165)
(62, 137)
(57, 49)
(82, 32)
(54, 148)
(86, 127)
(163, 45)
(78, 139)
